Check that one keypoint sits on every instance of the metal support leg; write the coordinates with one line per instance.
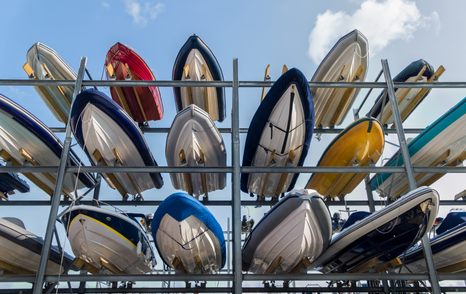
(39, 280)
(370, 195)
(97, 188)
(238, 276)
(409, 171)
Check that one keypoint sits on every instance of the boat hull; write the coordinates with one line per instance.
(193, 140)
(107, 241)
(407, 99)
(187, 236)
(141, 103)
(279, 135)
(360, 144)
(290, 237)
(448, 251)
(46, 64)
(24, 140)
(110, 137)
(20, 251)
(196, 62)
(347, 61)
(372, 243)
(443, 143)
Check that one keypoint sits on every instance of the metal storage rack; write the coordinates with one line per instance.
(41, 282)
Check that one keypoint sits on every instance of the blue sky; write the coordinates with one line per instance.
(256, 32)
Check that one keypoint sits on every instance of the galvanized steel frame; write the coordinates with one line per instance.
(237, 277)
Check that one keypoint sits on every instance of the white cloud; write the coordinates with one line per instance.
(105, 4)
(380, 21)
(143, 11)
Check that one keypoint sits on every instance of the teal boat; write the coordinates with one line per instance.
(443, 143)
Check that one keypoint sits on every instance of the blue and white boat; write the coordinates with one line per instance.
(9, 182)
(443, 143)
(279, 135)
(419, 71)
(110, 137)
(369, 242)
(25, 140)
(105, 241)
(20, 251)
(448, 247)
(196, 62)
(290, 236)
(187, 235)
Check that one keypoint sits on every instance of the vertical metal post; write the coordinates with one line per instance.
(409, 170)
(229, 249)
(236, 211)
(39, 280)
(370, 196)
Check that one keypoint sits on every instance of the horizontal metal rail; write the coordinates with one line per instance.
(208, 202)
(244, 169)
(245, 130)
(228, 277)
(225, 84)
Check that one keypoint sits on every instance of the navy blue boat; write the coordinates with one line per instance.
(369, 242)
(110, 137)
(187, 235)
(196, 62)
(448, 247)
(10, 182)
(279, 135)
(25, 140)
(408, 99)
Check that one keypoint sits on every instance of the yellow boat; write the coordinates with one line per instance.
(360, 144)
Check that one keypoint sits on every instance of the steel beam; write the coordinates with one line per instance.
(236, 195)
(409, 171)
(39, 279)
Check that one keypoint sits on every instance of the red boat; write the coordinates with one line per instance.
(141, 103)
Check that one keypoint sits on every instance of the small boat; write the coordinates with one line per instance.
(20, 251)
(105, 241)
(187, 235)
(419, 71)
(44, 63)
(110, 137)
(9, 182)
(290, 236)
(279, 135)
(448, 247)
(196, 62)
(347, 61)
(442, 143)
(360, 144)
(372, 242)
(141, 103)
(26, 141)
(193, 140)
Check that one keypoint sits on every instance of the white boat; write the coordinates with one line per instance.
(187, 235)
(194, 140)
(443, 143)
(290, 236)
(196, 62)
(20, 251)
(26, 141)
(371, 243)
(110, 137)
(44, 63)
(108, 242)
(347, 61)
(419, 71)
(448, 248)
(279, 135)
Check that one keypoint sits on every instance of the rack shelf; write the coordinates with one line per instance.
(40, 279)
